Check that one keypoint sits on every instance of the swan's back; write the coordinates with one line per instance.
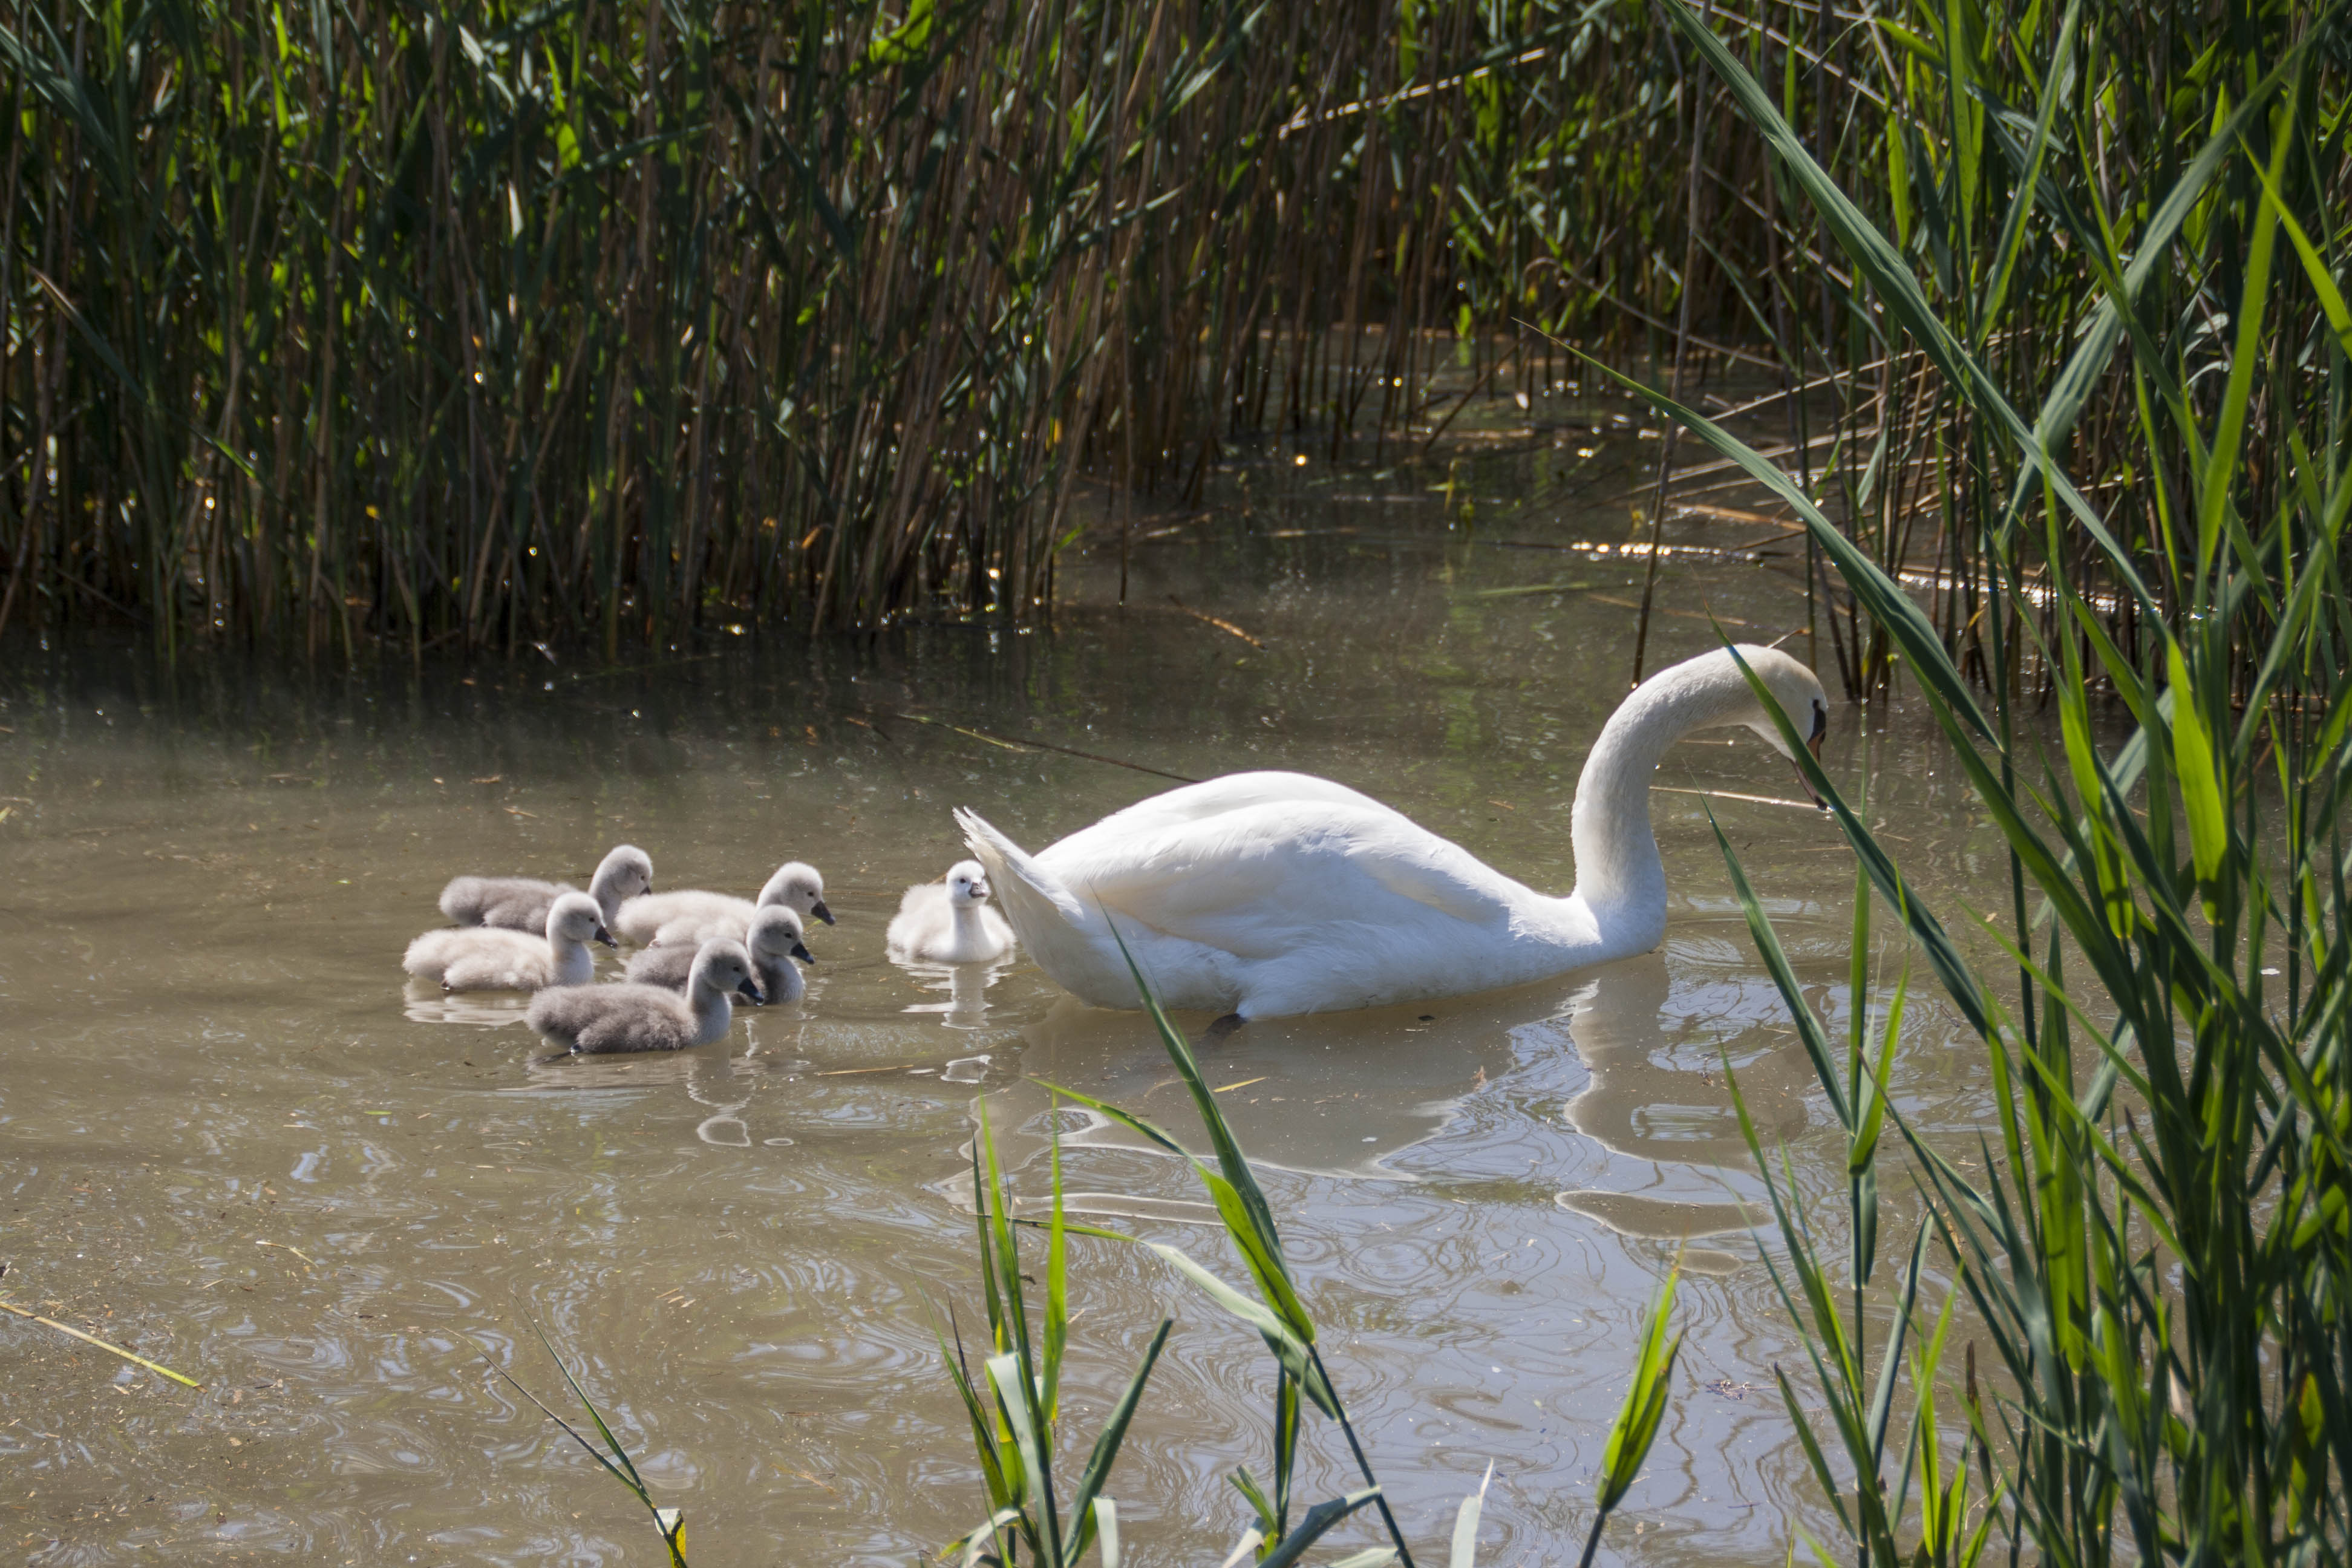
(1202, 802)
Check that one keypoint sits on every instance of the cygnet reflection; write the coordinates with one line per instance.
(966, 986)
(425, 1002)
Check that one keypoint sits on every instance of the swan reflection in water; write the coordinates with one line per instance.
(1603, 1092)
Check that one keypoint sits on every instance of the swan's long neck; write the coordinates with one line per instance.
(1619, 876)
(964, 918)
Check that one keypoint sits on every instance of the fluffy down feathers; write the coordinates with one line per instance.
(773, 941)
(482, 958)
(949, 921)
(599, 1019)
(521, 903)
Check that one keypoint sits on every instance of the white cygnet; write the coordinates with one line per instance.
(485, 958)
(595, 1019)
(949, 921)
(774, 941)
(691, 917)
(521, 903)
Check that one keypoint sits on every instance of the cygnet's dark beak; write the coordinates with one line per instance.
(820, 912)
(605, 937)
(801, 951)
(750, 990)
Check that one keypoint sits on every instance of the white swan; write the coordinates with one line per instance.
(597, 1019)
(691, 917)
(521, 903)
(774, 940)
(949, 921)
(488, 958)
(1269, 894)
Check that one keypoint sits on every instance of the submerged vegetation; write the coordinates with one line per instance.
(499, 322)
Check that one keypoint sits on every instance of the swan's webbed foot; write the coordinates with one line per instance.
(1220, 1031)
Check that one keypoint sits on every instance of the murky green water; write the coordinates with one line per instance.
(230, 1138)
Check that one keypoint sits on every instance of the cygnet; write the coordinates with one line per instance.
(521, 903)
(774, 941)
(592, 1019)
(949, 921)
(485, 958)
(691, 917)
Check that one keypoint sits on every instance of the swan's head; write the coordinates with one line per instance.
(1798, 691)
(625, 873)
(576, 917)
(967, 883)
(776, 934)
(800, 888)
(722, 966)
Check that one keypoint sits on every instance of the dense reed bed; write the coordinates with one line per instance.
(495, 324)
(2150, 1238)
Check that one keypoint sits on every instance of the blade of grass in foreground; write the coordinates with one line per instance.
(156, 1368)
(670, 1522)
(1637, 1427)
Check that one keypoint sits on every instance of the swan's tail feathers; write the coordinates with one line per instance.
(1030, 894)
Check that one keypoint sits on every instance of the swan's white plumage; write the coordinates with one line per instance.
(1268, 894)
(691, 917)
(948, 921)
(490, 958)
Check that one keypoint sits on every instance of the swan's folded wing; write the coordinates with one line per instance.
(1177, 809)
(1264, 880)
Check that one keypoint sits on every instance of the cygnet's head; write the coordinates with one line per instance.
(625, 873)
(967, 883)
(798, 887)
(776, 934)
(575, 917)
(724, 966)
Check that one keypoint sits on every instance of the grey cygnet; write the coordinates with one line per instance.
(774, 941)
(521, 903)
(484, 958)
(597, 1019)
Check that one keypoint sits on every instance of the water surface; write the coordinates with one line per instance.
(232, 1138)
